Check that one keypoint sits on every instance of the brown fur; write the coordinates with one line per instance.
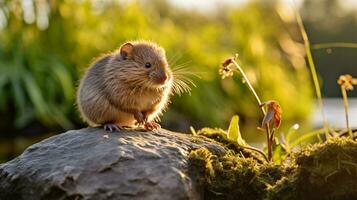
(115, 89)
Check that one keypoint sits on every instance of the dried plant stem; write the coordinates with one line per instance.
(345, 103)
(312, 69)
(269, 134)
(269, 142)
(249, 84)
(258, 151)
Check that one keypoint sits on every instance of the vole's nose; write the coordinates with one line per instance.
(161, 76)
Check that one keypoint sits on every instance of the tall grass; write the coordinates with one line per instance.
(312, 69)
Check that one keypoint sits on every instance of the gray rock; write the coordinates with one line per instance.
(93, 164)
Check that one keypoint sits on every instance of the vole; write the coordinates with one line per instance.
(127, 88)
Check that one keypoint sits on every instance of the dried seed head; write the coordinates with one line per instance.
(347, 81)
(226, 70)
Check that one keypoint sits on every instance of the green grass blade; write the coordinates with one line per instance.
(65, 81)
(312, 69)
(19, 96)
(292, 130)
(36, 98)
(334, 45)
(307, 136)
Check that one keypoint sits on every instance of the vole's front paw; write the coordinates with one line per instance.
(152, 125)
(112, 127)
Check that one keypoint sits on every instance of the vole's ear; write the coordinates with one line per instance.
(126, 50)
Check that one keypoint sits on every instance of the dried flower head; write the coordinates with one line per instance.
(273, 115)
(347, 81)
(226, 69)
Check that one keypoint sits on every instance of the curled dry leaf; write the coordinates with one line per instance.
(347, 81)
(273, 114)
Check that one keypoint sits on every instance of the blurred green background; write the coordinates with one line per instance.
(45, 47)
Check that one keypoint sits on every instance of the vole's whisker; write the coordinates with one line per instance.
(186, 77)
(188, 82)
(180, 66)
(176, 57)
(186, 74)
(186, 71)
(180, 86)
(182, 76)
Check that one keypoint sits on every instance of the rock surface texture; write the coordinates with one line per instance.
(93, 164)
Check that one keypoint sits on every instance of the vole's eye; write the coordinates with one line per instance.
(147, 65)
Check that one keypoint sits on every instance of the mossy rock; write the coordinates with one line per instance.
(321, 171)
(238, 174)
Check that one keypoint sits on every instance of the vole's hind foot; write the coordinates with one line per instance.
(112, 127)
(151, 125)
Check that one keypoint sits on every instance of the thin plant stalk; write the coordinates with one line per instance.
(249, 84)
(269, 141)
(345, 103)
(334, 45)
(269, 134)
(312, 69)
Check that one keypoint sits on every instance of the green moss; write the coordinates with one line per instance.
(220, 136)
(230, 176)
(321, 171)
(238, 174)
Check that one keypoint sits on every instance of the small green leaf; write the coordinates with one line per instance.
(234, 132)
(278, 153)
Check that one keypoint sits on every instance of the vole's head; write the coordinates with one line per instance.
(143, 64)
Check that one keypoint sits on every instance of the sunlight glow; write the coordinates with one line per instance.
(3, 20)
(29, 11)
(42, 14)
